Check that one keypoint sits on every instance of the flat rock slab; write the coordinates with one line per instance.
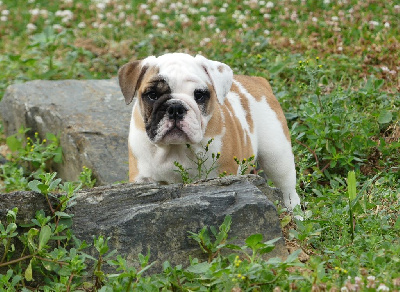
(139, 218)
(90, 116)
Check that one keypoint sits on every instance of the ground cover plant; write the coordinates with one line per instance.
(333, 65)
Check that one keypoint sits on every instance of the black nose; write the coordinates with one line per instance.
(176, 111)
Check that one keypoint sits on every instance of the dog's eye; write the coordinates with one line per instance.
(151, 94)
(200, 95)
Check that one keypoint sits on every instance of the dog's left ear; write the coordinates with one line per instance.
(129, 76)
(221, 76)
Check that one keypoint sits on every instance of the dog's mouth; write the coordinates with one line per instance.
(175, 135)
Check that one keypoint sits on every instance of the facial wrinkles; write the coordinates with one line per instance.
(192, 123)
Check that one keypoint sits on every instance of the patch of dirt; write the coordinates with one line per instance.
(391, 135)
(292, 244)
(102, 47)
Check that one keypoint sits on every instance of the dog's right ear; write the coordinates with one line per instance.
(130, 76)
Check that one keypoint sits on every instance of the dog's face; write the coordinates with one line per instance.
(176, 95)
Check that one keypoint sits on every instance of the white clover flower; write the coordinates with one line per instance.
(203, 9)
(193, 10)
(211, 19)
(5, 12)
(384, 69)
(327, 1)
(3, 18)
(155, 17)
(184, 18)
(269, 4)
(383, 287)
(335, 18)
(344, 289)
(371, 278)
(31, 1)
(205, 41)
(58, 27)
(122, 15)
(253, 4)
(31, 27)
(267, 16)
(314, 19)
(267, 32)
(44, 12)
(65, 14)
(81, 24)
(222, 10)
(34, 12)
(387, 24)
(101, 6)
(373, 23)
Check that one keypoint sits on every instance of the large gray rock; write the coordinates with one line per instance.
(89, 115)
(142, 217)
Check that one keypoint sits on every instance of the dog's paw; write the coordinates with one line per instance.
(291, 201)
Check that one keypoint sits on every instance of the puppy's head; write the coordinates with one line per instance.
(176, 94)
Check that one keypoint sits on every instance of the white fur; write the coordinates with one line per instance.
(184, 74)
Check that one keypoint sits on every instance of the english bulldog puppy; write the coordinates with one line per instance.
(181, 99)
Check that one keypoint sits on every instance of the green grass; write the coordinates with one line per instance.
(334, 66)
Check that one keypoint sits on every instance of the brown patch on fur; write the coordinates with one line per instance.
(138, 118)
(260, 89)
(133, 168)
(214, 126)
(246, 106)
(233, 142)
